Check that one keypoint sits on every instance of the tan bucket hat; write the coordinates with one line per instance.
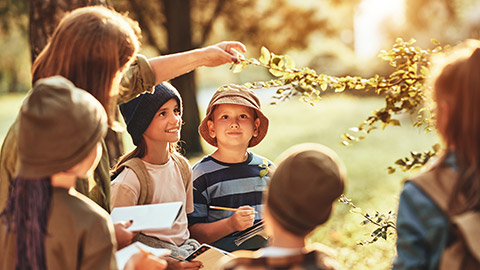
(239, 95)
(59, 125)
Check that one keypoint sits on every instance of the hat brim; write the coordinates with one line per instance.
(236, 100)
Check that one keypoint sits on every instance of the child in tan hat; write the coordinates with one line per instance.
(47, 224)
(231, 176)
(300, 197)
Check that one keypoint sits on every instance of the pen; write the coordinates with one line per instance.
(225, 208)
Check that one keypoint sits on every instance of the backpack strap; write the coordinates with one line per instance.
(438, 184)
(468, 224)
(137, 166)
(184, 167)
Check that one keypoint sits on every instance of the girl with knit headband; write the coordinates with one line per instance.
(154, 172)
(46, 223)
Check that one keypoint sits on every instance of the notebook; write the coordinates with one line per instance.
(148, 217)
(209, 256)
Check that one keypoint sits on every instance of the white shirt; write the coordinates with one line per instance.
(167, 186)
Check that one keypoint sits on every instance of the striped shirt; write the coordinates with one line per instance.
(229, 185)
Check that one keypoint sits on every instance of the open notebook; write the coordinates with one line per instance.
(256, 229)
(148, 217)
(209, 256)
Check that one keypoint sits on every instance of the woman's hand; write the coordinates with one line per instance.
(223, 53)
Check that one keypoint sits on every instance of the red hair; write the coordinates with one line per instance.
(457, 86)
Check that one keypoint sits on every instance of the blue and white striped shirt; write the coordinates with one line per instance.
(229, 185)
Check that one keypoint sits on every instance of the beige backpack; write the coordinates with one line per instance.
(138, 167)
(463, 250)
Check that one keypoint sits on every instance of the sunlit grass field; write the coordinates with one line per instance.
(369, 185)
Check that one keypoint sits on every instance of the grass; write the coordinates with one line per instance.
(369, 185)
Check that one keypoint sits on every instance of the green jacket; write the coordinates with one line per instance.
(138, 79)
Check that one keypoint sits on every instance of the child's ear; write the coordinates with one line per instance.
(255, 128)
(211, 128)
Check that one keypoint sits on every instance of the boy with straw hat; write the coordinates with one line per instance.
(231, 176)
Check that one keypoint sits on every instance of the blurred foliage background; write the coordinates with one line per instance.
(328, 36)
(334, 37)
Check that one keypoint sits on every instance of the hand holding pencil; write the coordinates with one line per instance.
(242, 218)
(227, 208)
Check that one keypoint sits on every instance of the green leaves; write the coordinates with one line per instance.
(384, 223)
(264, 171)
(415, 161)
(403, 89)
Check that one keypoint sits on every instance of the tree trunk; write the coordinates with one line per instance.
(178, 22)
(44, 17)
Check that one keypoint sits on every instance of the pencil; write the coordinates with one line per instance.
(146, 253)
(225, 208)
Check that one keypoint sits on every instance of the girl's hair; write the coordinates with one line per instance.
(91, 47)
(27, 212)
(138, 152)
(458, 86)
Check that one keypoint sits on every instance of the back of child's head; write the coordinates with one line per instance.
(89, 47)
(140, 111)
(236, 95)
(457, 84)
(59, 127)
(308, 180)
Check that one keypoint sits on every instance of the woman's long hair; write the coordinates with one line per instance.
(26, 213)
(458, 86)
(91, 47)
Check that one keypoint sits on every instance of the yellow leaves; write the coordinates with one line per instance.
(324, 86)
(276, 72)
(403, 87)
(434, 41)
(265, 56)
(237, 68)
(289, 63)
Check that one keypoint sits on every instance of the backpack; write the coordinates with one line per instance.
(138, 167)
(463, 244)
